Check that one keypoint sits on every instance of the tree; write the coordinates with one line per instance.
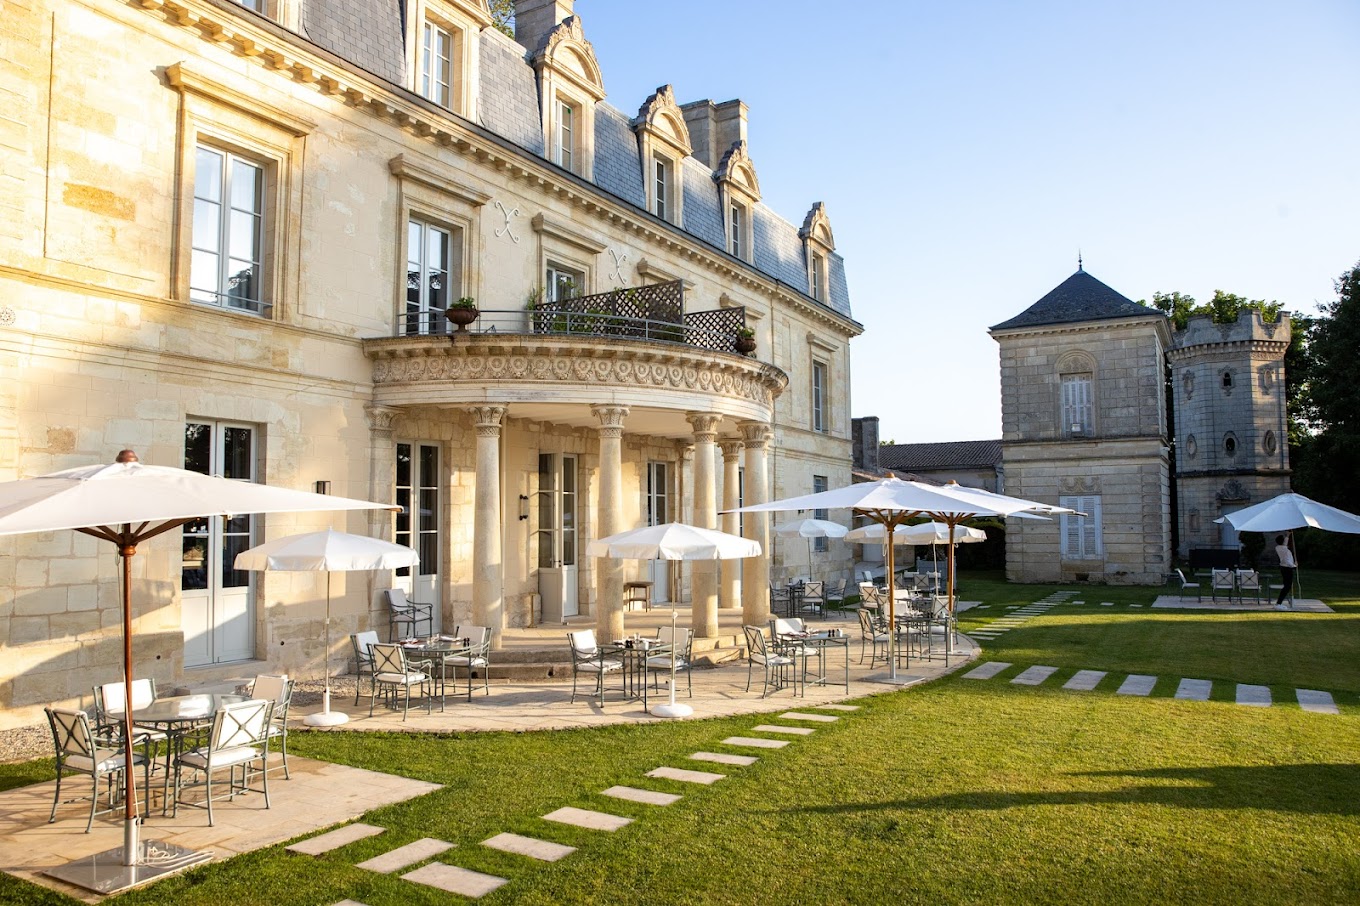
(503, 15)
(1330, 457)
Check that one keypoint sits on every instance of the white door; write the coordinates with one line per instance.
(555, 537)
(217, 601)
(417, 523)
(1227, 535)
(659, 513)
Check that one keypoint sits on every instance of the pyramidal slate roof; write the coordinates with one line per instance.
(1080, 297)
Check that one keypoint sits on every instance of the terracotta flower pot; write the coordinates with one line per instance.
(744, 345)
(461, 316)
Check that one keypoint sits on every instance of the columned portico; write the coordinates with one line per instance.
(609, 605)
(755, 578)
(488, 597)
(729, 595)
(705, 584)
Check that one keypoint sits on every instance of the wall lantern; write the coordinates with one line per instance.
(523, 507)
(323, 487)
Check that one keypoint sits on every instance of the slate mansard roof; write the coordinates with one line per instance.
(961, 454)
(1080, 297)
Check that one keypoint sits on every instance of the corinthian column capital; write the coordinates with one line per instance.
(705, 426)
(755, 434)
(487, 419)
(611, 419)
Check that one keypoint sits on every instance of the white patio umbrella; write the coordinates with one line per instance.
(892, 501)
(1290, 511)
(126, 503)
(932, 533)
(329, 551)
(809, 529)
(673, 541)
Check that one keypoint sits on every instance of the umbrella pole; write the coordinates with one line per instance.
(673, 708)
(326, 717)
(892, 606)
(132, 819)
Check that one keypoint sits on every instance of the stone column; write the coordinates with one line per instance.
(488, 597)
(755, 576)
(382, 474)
(705, 596)
(729, 594)
(609, 606)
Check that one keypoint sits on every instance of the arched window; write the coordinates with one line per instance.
(1076, 403)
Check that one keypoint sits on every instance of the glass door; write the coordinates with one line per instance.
(555, 536)
(659, 513)
(217, 601)
(417, 522)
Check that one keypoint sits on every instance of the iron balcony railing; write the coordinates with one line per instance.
(654, 313)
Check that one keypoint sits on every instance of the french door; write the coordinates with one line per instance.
(659, 513)
(556, 535)
(417, 522)
(217, 601)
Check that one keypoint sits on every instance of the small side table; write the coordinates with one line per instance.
(637, 593)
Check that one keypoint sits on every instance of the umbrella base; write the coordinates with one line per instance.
(326, 717)
(673, 709)
(105, 872)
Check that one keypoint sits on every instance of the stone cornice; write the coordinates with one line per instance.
(436, 176)
(189, 80)
(274, 48)
(1040, 330)
(1273, 347)
(563, 232)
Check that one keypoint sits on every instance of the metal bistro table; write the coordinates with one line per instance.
(822, 641)
(438, 651)
(179, 716)
(634, 654)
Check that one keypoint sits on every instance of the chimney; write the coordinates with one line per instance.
(714, 128)
(535, 18)
(864, 443)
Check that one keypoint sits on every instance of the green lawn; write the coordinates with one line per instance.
(957, 792)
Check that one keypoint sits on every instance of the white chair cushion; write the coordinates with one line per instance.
(599, 666)
(198, 758)
(104, 760)
(403, 679)
(465, 661)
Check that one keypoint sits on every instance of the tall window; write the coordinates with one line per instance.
(563, 143)
(417, 494)
(1080, 532)
(661, 175)
(817, 280)
(1076, 405)
(227, 266)
(818, 486)
(427, 277)
(737, 216)
(563, 283)
(819, 396)
(436, 65)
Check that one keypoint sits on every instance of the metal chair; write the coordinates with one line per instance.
(80, 751)
(779, 599)
(683, 640)
(871, 634)
(758, 652)
(477, 658)
(835, 594)
(1222, 580)
(814, 599)
(108, 701)
(1186, 583)
(391, 669)
(239, 739)
(362, 643)
(407, 613)
(586, 657)
(1248, 580)
(277, 688)
(869, 597)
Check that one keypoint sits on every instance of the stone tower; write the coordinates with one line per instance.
(1083, 414)
(1232, 442)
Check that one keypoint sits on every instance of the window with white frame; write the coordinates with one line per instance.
(817, 278)
(564, 137)
(430, 275)
(1079, 532)
(1077, 419)
(819, 420)
(819, 485)
(661, 186)
(437, 64)
(736, 239)
(227, 266)
(563, 282)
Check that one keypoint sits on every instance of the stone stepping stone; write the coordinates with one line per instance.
(582, 817)
(349, 903)
(1137, 684)
(646, 797)
(1106, 603)
(721, 758)
(986, 671)
(1195, 690)
(1033, 676)
(755, 742)
(799, 715)
(794, 731)
(1135, 605)
(1255, 696)
(453, 879)
(1317, 702)
(1084, 680)
(707, 778)
(341, 836)
(534, 848)
(402, 856)
(1078, 602)
(836, 707)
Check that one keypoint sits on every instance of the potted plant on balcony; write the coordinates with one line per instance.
(462, 312)
(745, 341)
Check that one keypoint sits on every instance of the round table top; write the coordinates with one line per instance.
(180, 708)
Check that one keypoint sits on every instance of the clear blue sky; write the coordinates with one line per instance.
(967, 150)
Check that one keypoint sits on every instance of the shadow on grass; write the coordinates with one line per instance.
(1306, 789)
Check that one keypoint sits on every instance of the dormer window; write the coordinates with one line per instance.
(663, 145)
(661, 187)
(436, 65)
(736, 229)
(818, 247)
(569, 85)
(739, 192)
(441, 42)
(564, 141)
(817, 277)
